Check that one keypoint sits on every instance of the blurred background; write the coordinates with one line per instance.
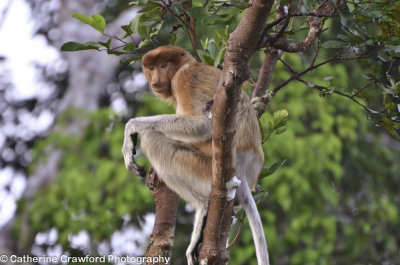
(64, 188)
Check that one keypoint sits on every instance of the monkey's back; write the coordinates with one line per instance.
(194, 85)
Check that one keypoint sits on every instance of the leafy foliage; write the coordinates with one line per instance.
(93, 191)
(329, 201)
(369, 31)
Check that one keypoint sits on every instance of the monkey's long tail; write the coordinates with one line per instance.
(249, 205)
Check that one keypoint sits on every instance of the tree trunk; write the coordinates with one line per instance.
(241, 45)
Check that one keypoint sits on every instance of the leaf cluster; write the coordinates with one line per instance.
(93, 191)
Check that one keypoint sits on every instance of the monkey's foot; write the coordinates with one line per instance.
(129, 150)
(231, 187)
(190, 258)
(136, 169)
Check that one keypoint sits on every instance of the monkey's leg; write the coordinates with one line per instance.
(182, 128)
(184, 169)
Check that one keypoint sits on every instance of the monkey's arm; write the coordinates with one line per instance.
(184, 128)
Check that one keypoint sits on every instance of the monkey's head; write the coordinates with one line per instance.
(160, 66)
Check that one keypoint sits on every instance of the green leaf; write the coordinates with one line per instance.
(116, 52)
(130, 60)
(212, 49)
(156, 29)
(173, 38)
(280, 116)
(106, 44)
(281, 130)
(260, 197)
(138, 3)
(197, 12)
(134, 25)
(390, 127)
(205, 57)
(144, 43)
(177, 8)
(128, 31)
(372, 13)
(140, 25)
(129, 47)
(374, 31)
(383, 56)
(204, 44)
(269, 171)
(75, 46)
(334, 44)
(148, 7)
(220, 56)
(96, 21)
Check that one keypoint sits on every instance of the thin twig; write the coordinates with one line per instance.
(316, 50)
(357, 102)
(189, 23)
(274, 23)
(287, 65)
(297, 10)
(237, 233)
(362, 88)
(351, 97)
(295, 76)
(115, 38)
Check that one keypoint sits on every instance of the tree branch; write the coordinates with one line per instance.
(259, 103)
(325, 9)
(266, 70)
(189, 23)
(271, 57)
(162, 236)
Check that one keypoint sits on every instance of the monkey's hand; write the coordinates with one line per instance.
(129, 151)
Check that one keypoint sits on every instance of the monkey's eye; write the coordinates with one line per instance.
(181, 54)
(164, 65)
(151, 67)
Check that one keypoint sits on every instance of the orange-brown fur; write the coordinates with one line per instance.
(179, 145)
(189, 85)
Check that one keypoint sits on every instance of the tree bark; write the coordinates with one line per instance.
(265, 77)
(241, 45)
(272, 56)
(162, 236)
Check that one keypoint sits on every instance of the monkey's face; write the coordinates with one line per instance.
(160, 66)
(159, 75)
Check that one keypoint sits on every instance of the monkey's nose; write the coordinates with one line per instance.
(156, 84)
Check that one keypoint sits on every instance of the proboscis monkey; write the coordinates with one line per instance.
(179, 145)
